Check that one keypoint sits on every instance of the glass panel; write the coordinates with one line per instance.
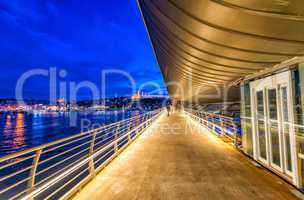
(284, 104)
(247, 100)
(246, 122)
(273, 126)
(262, 139)
(286, 133)
(275, 143)
(247, 136)
(287, 144)
(261, 124)
(272, 100)
(260, 105)
(297, 82)
(297, 93)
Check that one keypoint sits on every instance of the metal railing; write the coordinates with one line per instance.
(218, 124)
(60, 168)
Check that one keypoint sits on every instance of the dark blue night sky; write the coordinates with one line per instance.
(81, 37)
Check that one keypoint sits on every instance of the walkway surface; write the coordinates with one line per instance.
(173, 160)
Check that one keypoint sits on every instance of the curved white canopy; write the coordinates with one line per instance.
(202, 46)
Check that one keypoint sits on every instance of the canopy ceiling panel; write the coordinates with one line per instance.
(204, 45)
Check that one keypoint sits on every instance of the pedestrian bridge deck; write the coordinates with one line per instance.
(176, 160)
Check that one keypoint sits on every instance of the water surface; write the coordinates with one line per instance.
(20, 131)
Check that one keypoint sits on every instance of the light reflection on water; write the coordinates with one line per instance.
(20, 131)
(8, 122)
(8, 125)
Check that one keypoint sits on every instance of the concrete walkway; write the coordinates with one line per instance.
(174, 160)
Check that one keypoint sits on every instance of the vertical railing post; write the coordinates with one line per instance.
(129, 131)
(147, 120)
(149, 116)
(235, 132)
(144, 122)
(213, 123)
(31, 181)
(210, 122)
(141, 123)
(222, 124)
(207, 120)
(91, 161)
(116, 138)
(152, 117)
(137, 126)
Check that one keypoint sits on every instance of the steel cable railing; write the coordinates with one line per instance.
(57, 169)
(218, 124)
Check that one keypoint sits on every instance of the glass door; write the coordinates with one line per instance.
(261, 124)
(274, 137)
(273, 129)
(285, 125)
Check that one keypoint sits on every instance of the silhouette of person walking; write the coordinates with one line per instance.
(168, 109)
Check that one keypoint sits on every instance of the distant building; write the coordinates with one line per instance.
(61, 104)
(98, 108)
(136, 97)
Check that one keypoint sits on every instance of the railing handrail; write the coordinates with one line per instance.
(210, 113)
(84, 153)
(42, 146)
(221, 103)
(84, 160)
